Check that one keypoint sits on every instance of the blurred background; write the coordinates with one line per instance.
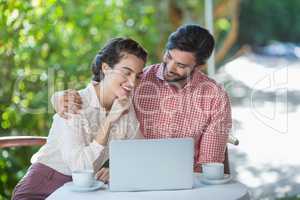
(48, 45)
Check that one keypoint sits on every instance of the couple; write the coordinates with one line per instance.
(172, 99)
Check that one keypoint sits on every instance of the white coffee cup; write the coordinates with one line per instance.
(83, 178)
(213, 170)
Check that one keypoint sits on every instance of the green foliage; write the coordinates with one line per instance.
(48, 45)
(13, 165)
(269, 20)
(289, 198)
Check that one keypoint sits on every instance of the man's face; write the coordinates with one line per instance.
(178, 65)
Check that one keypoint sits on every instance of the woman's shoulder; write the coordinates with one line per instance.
(88, 96)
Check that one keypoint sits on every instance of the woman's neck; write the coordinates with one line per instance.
(105, 96)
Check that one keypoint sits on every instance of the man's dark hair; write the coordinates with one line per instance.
(112, 53)
(192, 38)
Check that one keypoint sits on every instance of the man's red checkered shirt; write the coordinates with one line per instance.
(201, 110)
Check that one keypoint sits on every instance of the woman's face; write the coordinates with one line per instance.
(125, 75)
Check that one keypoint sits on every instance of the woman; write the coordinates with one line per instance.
(81, 142)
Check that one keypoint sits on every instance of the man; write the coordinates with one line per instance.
(175, 99)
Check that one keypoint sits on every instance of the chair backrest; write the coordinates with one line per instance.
(231, 140)
(226, 162)
(18, 141)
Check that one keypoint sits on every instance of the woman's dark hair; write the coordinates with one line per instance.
(192, 38)
(112, 53)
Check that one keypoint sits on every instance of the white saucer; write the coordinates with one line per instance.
(224, 180)
(74, 188)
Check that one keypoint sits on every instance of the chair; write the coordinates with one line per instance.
(19, 141)
(231, 140)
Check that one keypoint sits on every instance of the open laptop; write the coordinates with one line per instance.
(152, 164)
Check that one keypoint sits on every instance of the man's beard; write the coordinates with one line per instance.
(176, 79)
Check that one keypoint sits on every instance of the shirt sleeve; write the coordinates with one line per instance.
(213, 142)
(77, 152)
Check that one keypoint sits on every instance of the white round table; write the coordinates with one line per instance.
(230, 191)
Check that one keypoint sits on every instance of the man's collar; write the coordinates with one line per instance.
(160, 72)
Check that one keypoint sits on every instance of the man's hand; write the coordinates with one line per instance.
(103, 175)
(68, 103)
(198, 168)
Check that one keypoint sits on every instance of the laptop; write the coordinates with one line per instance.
(151, 164)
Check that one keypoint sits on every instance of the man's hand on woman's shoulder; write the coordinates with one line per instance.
(67, 102)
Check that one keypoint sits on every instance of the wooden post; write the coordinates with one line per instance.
(209, 23)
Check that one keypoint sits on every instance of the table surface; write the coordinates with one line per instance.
(229, 191)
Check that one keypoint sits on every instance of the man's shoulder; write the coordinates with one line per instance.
(151, 70)
(211, 85)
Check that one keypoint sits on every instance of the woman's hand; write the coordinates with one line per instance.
(119, 108)
(103, 175)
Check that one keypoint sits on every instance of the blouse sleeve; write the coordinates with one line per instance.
(76, 150)
(133, 126)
